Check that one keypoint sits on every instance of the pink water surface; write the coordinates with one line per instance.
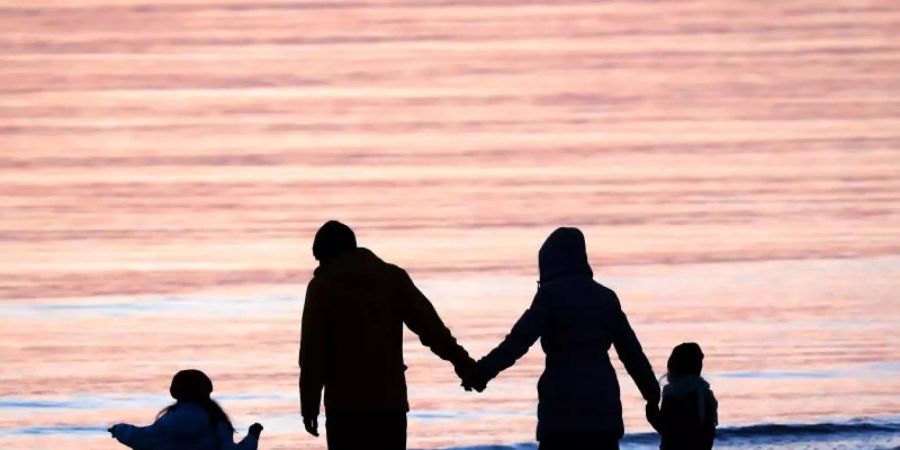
(164, 164)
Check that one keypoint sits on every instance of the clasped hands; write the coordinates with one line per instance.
(471, 375)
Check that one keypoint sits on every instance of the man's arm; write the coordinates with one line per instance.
(312, 353)
(421, 318)
(636, 363)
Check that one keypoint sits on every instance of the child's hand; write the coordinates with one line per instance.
(112, 430)
(256, 429)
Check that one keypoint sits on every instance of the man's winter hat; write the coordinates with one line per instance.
(332, 239)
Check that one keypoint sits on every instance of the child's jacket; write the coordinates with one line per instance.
(688, 417)
(186, 427)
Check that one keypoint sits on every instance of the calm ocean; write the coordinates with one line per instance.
(165, 163)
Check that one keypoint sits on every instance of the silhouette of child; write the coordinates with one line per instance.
(195, 421)
(688, 417)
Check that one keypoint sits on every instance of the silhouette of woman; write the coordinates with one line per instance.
(194, 421)
(577, 320)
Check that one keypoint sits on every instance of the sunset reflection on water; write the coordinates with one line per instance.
(164, 165)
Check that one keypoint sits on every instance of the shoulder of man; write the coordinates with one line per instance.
(396, 271)
(315, 284)
(604, 289)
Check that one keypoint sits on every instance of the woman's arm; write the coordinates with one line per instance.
(632, 356)
(524, 333)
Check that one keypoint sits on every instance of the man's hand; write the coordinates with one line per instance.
(312, 425)
(465, 370)
(256, 429)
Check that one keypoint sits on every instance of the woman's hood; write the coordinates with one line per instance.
(563, 255)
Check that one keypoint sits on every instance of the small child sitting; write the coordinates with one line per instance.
(194, 422)
(688, 417)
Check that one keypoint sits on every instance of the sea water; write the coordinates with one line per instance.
(165, 164)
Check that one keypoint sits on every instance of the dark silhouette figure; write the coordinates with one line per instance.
(689, 413)
(194, 421)
(352, 343)
(577, 320)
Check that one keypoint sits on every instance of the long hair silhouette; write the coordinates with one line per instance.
(193, 386)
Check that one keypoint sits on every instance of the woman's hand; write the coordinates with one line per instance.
(256, 429)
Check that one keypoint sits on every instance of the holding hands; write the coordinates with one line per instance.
(471, 376)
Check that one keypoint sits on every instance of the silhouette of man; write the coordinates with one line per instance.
(352, 343)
